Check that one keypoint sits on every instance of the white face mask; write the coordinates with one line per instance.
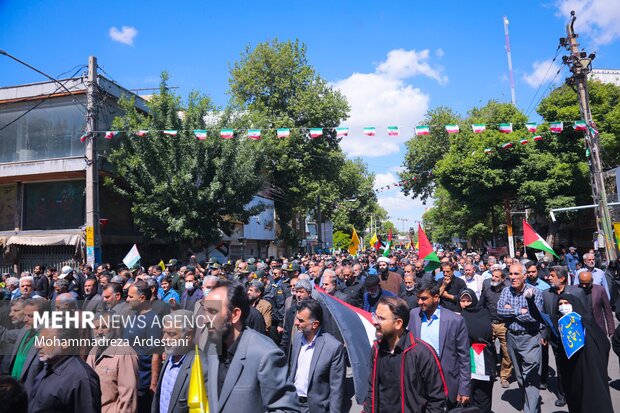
(189, 285)
(566, 308)
(206, 291)
(410, 288)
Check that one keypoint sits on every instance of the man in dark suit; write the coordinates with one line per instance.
(24, 358)
(93, 302)
(450, 288)
(595, 297)
(446, 332)
(317, 362)
(247, 371)
(173, 384)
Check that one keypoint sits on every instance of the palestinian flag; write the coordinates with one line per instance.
(200, 134)
(532, 127)
(227, 133)
(340, 132)
(580, 125)
(422, 130)
(488, 150)
(532, 240)
(370, 131)
(426, 252)
(316, 132)
(388, 247)
(283, 132)
(393, 131)
(141, 133)
(505, 127)
(556, 127)
(523, 141)
(170, 132)
(507, 145)
(84, 137)
(111, 133)
(452, 128)
(478, 365)
(537, 138)
(254, 134)
(478, 127)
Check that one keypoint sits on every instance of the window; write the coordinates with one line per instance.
(54, 205)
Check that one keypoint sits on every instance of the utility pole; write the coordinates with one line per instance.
(319, 227)
(580, 65)
(93, 235)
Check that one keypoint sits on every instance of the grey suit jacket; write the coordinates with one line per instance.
(257, 379)
(178, 397)
(95, 304)
(326, 374)
(453, 347)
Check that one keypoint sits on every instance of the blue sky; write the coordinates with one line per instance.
(393, 60)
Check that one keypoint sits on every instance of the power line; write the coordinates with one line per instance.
(557, 52)
(42, 73)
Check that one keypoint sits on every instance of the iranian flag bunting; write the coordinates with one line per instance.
(426, 252)
(580, 125)
(532, 127)
(283, 132)
(505, 127)
(170, 132)
(84, 137)
(227, 133)
(393, 131)
(507, 145)
(254, 134)
(422, 130)
(452, 128)
(341, 132)
(370, 131)
(488, 150)
(532, 240)
(316, 132)
(537, 138)
(556, 127)
(200, 134)
(141, 133)
(478, 127)
(111, 133)
(523, 141)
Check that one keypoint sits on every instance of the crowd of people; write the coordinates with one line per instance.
(444, 336)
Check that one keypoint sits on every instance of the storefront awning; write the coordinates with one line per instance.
(44, 240)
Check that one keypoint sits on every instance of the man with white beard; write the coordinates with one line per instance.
(173, 383)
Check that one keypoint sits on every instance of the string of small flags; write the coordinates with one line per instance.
(341, 132)
(399, 183)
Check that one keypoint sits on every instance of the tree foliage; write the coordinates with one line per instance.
(182, 189)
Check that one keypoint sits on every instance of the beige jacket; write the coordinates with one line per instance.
(117, 368)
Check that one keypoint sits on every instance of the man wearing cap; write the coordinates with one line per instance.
(171, 269)
(390, 280)
(274, 293)
(373, 293)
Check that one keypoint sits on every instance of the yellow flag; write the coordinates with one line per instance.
(197, 399)
(374, 240)
(617, 233)
(355, 243)
(162, 265)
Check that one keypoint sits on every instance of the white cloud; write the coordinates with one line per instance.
(383, 98)
(541, 72)
(439, 52)
(382, 180)
(125, 35)
(596, 18)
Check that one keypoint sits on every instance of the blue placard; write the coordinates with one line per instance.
(572, 333)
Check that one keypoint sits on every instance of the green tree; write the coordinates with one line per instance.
(183, 190)
(274, 86)
(341, 240)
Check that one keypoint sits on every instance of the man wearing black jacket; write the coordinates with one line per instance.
(399, 358)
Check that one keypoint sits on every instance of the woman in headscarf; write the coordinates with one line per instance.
(478, 323)
(584, 375)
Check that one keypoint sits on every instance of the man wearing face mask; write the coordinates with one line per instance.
(191, 294)
(390, 280)
(595, 300)
(410, 295)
